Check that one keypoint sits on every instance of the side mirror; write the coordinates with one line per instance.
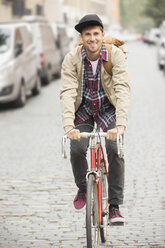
(158, 35)
(18, 49)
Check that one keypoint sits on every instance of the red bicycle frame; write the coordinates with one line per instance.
(97, 156)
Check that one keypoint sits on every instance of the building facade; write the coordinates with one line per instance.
(61, 11)
(11, 10)
(74, 10)
(114, 12)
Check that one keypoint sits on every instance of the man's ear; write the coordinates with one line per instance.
(80, 35)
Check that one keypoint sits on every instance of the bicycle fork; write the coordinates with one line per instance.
(96, 171)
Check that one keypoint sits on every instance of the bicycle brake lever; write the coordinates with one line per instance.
(63, 146)
(120, 145)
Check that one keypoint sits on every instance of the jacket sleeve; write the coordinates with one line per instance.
(68, 91)
(120, 80)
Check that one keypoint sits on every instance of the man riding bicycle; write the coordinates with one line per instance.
(90, 94)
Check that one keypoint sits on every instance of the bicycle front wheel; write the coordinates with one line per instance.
(92, 214)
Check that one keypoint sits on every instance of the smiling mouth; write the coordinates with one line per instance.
(92, 44)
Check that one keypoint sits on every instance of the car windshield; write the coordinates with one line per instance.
(5, 36)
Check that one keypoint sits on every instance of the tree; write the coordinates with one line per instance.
(133, 16)
(155, 9)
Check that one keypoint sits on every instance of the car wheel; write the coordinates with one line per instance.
(37, 88)
(160, 67)
(45, 80)
(21, 99)
(50, 72)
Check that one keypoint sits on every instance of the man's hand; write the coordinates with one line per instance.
(112, 133)
(74, 134)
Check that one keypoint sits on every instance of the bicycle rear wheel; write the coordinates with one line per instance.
(92, 215)
(104, 199)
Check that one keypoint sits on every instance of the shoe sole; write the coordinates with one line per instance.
(116, 222)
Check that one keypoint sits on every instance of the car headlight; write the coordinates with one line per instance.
(7, 90)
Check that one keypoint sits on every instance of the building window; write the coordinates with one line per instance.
(18, 7)
(39, 9)
(27, 12)
(7, 1)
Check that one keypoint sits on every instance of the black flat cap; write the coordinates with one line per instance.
(88, 20)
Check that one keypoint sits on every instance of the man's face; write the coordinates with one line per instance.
(92, 38)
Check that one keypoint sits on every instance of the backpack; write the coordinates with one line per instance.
(108, 43)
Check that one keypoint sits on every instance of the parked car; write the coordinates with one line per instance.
(161, 47)
(145, 35)
(62, 39)
(18, 64)
(49, 62)
(152, 36)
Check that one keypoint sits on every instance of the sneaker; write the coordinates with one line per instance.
(115, 217)
(80, 199)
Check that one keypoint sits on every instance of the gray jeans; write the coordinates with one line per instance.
(78, 151)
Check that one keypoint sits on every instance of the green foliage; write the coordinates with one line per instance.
(155, 9)
(132, 15)
(139, 15)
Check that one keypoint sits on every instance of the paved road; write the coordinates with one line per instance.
(36, 184)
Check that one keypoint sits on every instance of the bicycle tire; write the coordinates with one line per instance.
(104, 203)
(92, 215)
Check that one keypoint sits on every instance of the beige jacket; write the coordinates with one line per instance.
(116, 87)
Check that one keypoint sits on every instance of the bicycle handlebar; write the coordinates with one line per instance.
(93, 135)
(87, 135)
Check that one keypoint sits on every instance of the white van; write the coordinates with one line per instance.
(161, 47)
(63, 42)
(18, 64)
(49, 62)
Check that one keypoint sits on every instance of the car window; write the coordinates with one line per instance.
(18, 43)
(47, 35)
(5, 40)
(43, 35)
(63, 38)
(26, 37)
(18, 37)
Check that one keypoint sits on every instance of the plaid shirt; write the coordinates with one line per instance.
(94, 101)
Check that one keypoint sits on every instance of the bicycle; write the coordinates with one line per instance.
(97, 188)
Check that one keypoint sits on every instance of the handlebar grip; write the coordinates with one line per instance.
(120, 145)
(63, 146)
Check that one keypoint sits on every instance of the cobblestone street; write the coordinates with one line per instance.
(36, 184)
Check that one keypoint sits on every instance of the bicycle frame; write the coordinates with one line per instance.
(97, 156)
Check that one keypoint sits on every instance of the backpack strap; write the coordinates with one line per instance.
(79, 47)
(107, 64)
